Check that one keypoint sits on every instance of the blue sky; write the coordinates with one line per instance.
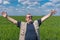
(35, 7)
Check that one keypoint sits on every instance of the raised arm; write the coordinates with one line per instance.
(48, 15)
(4, 14)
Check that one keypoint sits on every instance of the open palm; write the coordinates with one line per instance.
(53, 11)
(4, 14)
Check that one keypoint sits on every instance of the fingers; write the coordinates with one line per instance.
(53, 11)
(3, 13)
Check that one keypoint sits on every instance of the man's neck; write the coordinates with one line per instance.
(29, 21)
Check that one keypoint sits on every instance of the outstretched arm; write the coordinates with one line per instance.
(48, 15)
(4, 14)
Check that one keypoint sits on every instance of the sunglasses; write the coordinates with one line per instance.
(29, 17)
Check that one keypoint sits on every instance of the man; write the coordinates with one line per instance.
(28, 29)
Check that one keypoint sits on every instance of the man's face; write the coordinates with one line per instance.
(28, 17)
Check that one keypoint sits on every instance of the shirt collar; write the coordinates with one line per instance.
(30, 22)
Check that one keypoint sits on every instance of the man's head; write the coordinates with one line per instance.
(28, 17)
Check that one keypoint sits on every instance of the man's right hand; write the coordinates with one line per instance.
(4, 14)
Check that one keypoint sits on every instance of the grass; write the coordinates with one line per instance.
(49, 30)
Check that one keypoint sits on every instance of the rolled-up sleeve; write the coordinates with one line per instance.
(18, 24)
(39, 22)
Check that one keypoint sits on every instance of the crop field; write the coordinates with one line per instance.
(49, 29)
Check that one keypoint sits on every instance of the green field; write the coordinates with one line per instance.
(49, 30)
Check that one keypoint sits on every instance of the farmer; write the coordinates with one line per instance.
(28, 29)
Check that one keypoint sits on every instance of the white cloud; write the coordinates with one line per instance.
(49, 4)
(26, 2)
(31, 8)
(21, 0)
(41, 10)
(58, 6)
(58, 9)
(55, 1)
(18, 0)
(35, 2)
(6, 2)
(29, 2)
(0, 1)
